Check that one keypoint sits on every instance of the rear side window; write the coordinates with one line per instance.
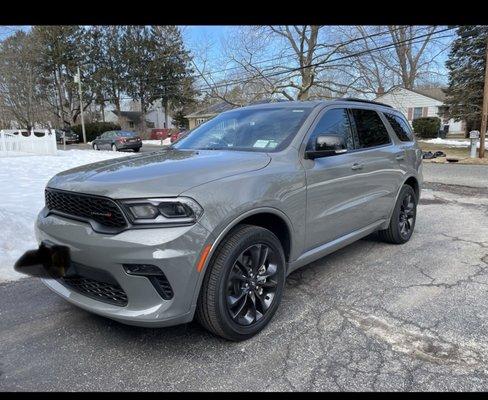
(370, 128)
(401, 128)
(333, 122)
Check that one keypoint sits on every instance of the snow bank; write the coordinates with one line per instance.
(166, 142)
(451, 142)
(22, 182)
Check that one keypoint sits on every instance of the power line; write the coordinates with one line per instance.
(337, 45)
(412, 40)
(357, 54)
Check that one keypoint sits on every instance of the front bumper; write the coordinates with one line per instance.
(174, 250)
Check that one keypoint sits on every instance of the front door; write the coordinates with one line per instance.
(334, 184)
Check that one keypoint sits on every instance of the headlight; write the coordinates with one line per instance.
(169, 211)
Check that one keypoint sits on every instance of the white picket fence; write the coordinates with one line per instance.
(37, 141)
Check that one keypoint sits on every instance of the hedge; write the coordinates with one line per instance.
(93, 129)
(426, 127)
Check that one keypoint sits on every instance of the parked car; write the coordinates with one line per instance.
(117, 140)
(178, 135)
(71, 137)
(158, 134)
(211, 226)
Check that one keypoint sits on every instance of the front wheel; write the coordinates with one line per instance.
(114, 147)
(403, 218)
(136, 150)
(95, 146)
(243, 285)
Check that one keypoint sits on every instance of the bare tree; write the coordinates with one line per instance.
(298, 69)
(20, 87)
(395, 55)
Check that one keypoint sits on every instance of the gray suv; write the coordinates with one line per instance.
(212, 225)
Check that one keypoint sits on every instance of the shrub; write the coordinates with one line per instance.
(426, 127)
(93, 129)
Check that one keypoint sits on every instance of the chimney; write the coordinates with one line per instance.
(380, 91)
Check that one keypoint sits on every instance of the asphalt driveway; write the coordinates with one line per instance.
(371, 316)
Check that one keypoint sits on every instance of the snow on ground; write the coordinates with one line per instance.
(452, 142)
(22, 182)
(166, 142)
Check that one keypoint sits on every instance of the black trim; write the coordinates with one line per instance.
(364, 101)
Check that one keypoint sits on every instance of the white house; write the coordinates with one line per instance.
(421, 103)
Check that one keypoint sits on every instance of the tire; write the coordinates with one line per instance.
(95, 146)
(220, 288)
(136, 150)
(114, 147)
(401, 227)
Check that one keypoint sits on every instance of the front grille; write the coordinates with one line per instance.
(102, 291)
(101, 210)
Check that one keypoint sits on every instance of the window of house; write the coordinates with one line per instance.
(200, 121)
(131, 124)
(417, 112)
(370, 128)
(400, 126)
(333, 122)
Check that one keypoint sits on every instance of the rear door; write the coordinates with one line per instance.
(378, 167)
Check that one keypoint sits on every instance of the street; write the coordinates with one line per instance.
(371, 316)
(146, 148)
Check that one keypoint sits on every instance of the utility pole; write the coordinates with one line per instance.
(78, 80)
(484, 115)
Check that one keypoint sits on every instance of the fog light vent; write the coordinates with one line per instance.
(155, 276)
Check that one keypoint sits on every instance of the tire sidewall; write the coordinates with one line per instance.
(396, 214)
(262, 236)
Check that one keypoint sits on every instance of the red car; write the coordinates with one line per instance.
(178, 135)
(159, 133)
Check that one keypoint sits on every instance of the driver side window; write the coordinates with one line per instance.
(333, 122)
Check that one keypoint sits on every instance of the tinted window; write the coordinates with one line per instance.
(256, 129)
(333, 122)
(401, 128)
(370, 129)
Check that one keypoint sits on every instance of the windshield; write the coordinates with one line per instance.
(264, 129)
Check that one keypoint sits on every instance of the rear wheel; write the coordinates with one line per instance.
(243, 285)
(114, 147)
(402, 222)
(136, 150)
(95, 146)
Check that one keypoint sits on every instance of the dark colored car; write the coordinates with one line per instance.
(70, 136)
(117, 140)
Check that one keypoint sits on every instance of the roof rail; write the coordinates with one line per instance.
(364, 101)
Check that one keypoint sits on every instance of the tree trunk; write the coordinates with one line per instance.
(60, 100)
(166, 117)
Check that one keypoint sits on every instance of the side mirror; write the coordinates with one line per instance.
(327, 145)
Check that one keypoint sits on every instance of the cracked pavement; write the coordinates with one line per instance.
(371, 316)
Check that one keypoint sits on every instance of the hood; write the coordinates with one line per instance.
(163, 173)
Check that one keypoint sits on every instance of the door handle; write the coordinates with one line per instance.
(357, 166)
(400, 157)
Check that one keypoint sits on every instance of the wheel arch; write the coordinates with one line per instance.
(266, 217)
(411, 181)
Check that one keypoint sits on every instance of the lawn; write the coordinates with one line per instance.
(461, 153)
